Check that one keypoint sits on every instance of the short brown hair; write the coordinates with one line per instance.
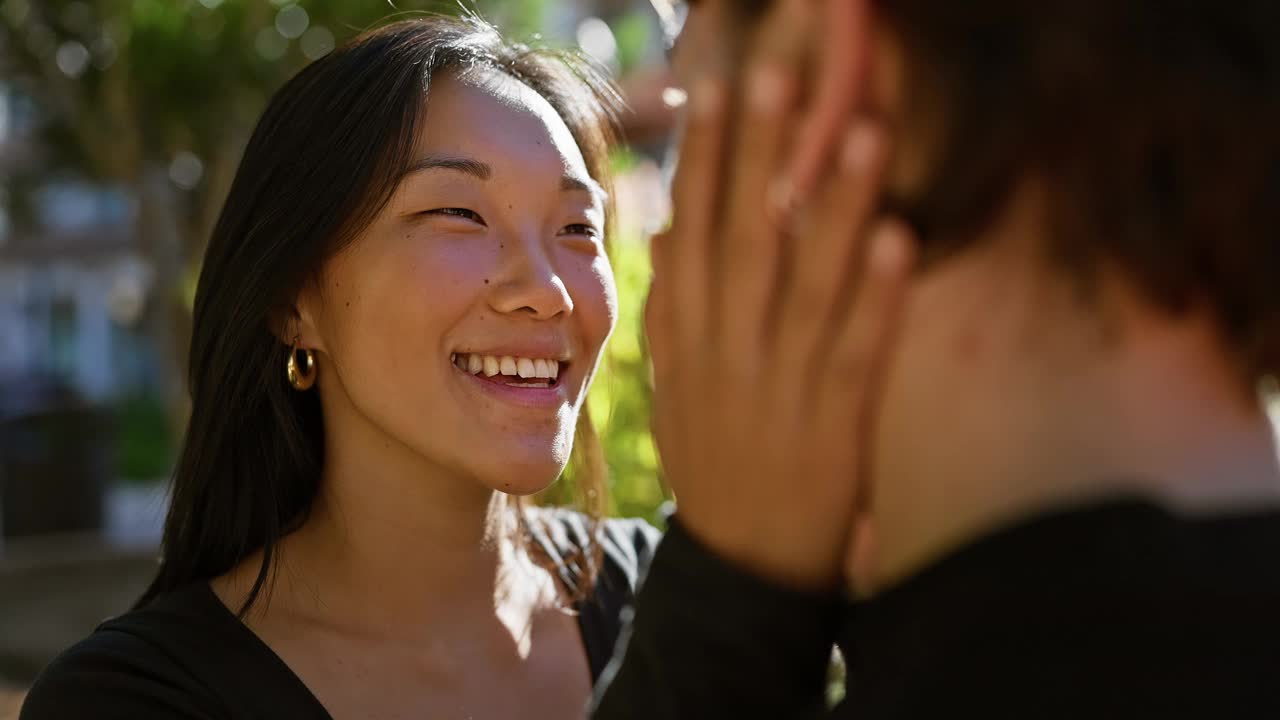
(1156, 123)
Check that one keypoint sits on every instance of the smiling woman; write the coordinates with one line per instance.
(400, 312)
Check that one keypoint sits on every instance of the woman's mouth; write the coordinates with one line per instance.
(510, 370)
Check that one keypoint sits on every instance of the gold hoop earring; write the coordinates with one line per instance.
(300, 378)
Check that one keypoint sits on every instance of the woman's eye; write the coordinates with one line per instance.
(581, 229)
(463, 213)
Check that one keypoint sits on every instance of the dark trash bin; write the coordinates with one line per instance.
(56, 459)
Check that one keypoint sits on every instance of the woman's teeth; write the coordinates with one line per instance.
(508, 365)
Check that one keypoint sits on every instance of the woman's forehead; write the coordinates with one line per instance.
(489, 110)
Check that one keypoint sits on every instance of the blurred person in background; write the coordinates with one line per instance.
(399, 314)
(1055, 490)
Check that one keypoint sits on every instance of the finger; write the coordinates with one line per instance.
(748, 261)
(876, 303)
(660, 252)
(860, 563)
(864, 341)
(842, 72)
(657, 330)
(826, 255)
(865, 347)
(657, 318)
(685, 266)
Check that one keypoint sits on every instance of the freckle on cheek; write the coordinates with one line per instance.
(486, 281)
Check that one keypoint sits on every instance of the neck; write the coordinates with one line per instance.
(1163, 411)
(394, 544)
(1045, 402)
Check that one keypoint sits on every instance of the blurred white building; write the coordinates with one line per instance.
(72, 285)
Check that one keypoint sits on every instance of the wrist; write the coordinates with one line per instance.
(787, 557)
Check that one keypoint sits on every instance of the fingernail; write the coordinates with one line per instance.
(707, 97)
(888, 252)
(767, 89)
(782, 195)
(859, 149)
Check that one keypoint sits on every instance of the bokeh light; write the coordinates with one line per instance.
(73, 58)
(292, 21)
(186, 170)
(317, 42)
(596, 39)
(270, 44)
(104, 52)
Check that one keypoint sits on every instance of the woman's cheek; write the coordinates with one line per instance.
(611, 290)
(606, 288)
(462, 255)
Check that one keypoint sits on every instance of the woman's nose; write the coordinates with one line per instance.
(529, 283)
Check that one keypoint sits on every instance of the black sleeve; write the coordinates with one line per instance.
(115, 676)
(710, 641)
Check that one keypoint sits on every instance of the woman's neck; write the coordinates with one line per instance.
(398, 547)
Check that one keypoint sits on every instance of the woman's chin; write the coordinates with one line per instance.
(526, 478)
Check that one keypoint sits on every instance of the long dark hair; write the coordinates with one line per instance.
(323, 161)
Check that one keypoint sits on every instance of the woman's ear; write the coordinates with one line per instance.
(298, 323)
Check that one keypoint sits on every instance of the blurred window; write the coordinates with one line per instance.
(62, 338)
(69, 206)
(4, 112)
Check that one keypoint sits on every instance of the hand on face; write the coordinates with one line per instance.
(774, 299)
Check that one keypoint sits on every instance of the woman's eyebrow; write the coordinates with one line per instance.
(574, 183)
(443, 162)
(483, 171)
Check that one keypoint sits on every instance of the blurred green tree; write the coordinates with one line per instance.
(159, 96)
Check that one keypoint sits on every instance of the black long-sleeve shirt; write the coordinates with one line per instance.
(1117, 610)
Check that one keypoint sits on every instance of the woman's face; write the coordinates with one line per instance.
(466, 322)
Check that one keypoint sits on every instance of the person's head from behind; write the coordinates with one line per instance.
(423, 211)
(1096, 191)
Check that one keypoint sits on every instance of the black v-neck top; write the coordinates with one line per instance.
(186, 655)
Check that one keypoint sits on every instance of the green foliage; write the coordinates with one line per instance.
(633, 33)
(621, 398)
(171, 76)
(144, 441)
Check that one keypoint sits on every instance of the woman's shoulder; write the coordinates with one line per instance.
(184, 655)
(121, 671)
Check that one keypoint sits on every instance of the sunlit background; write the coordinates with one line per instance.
(121, 125)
